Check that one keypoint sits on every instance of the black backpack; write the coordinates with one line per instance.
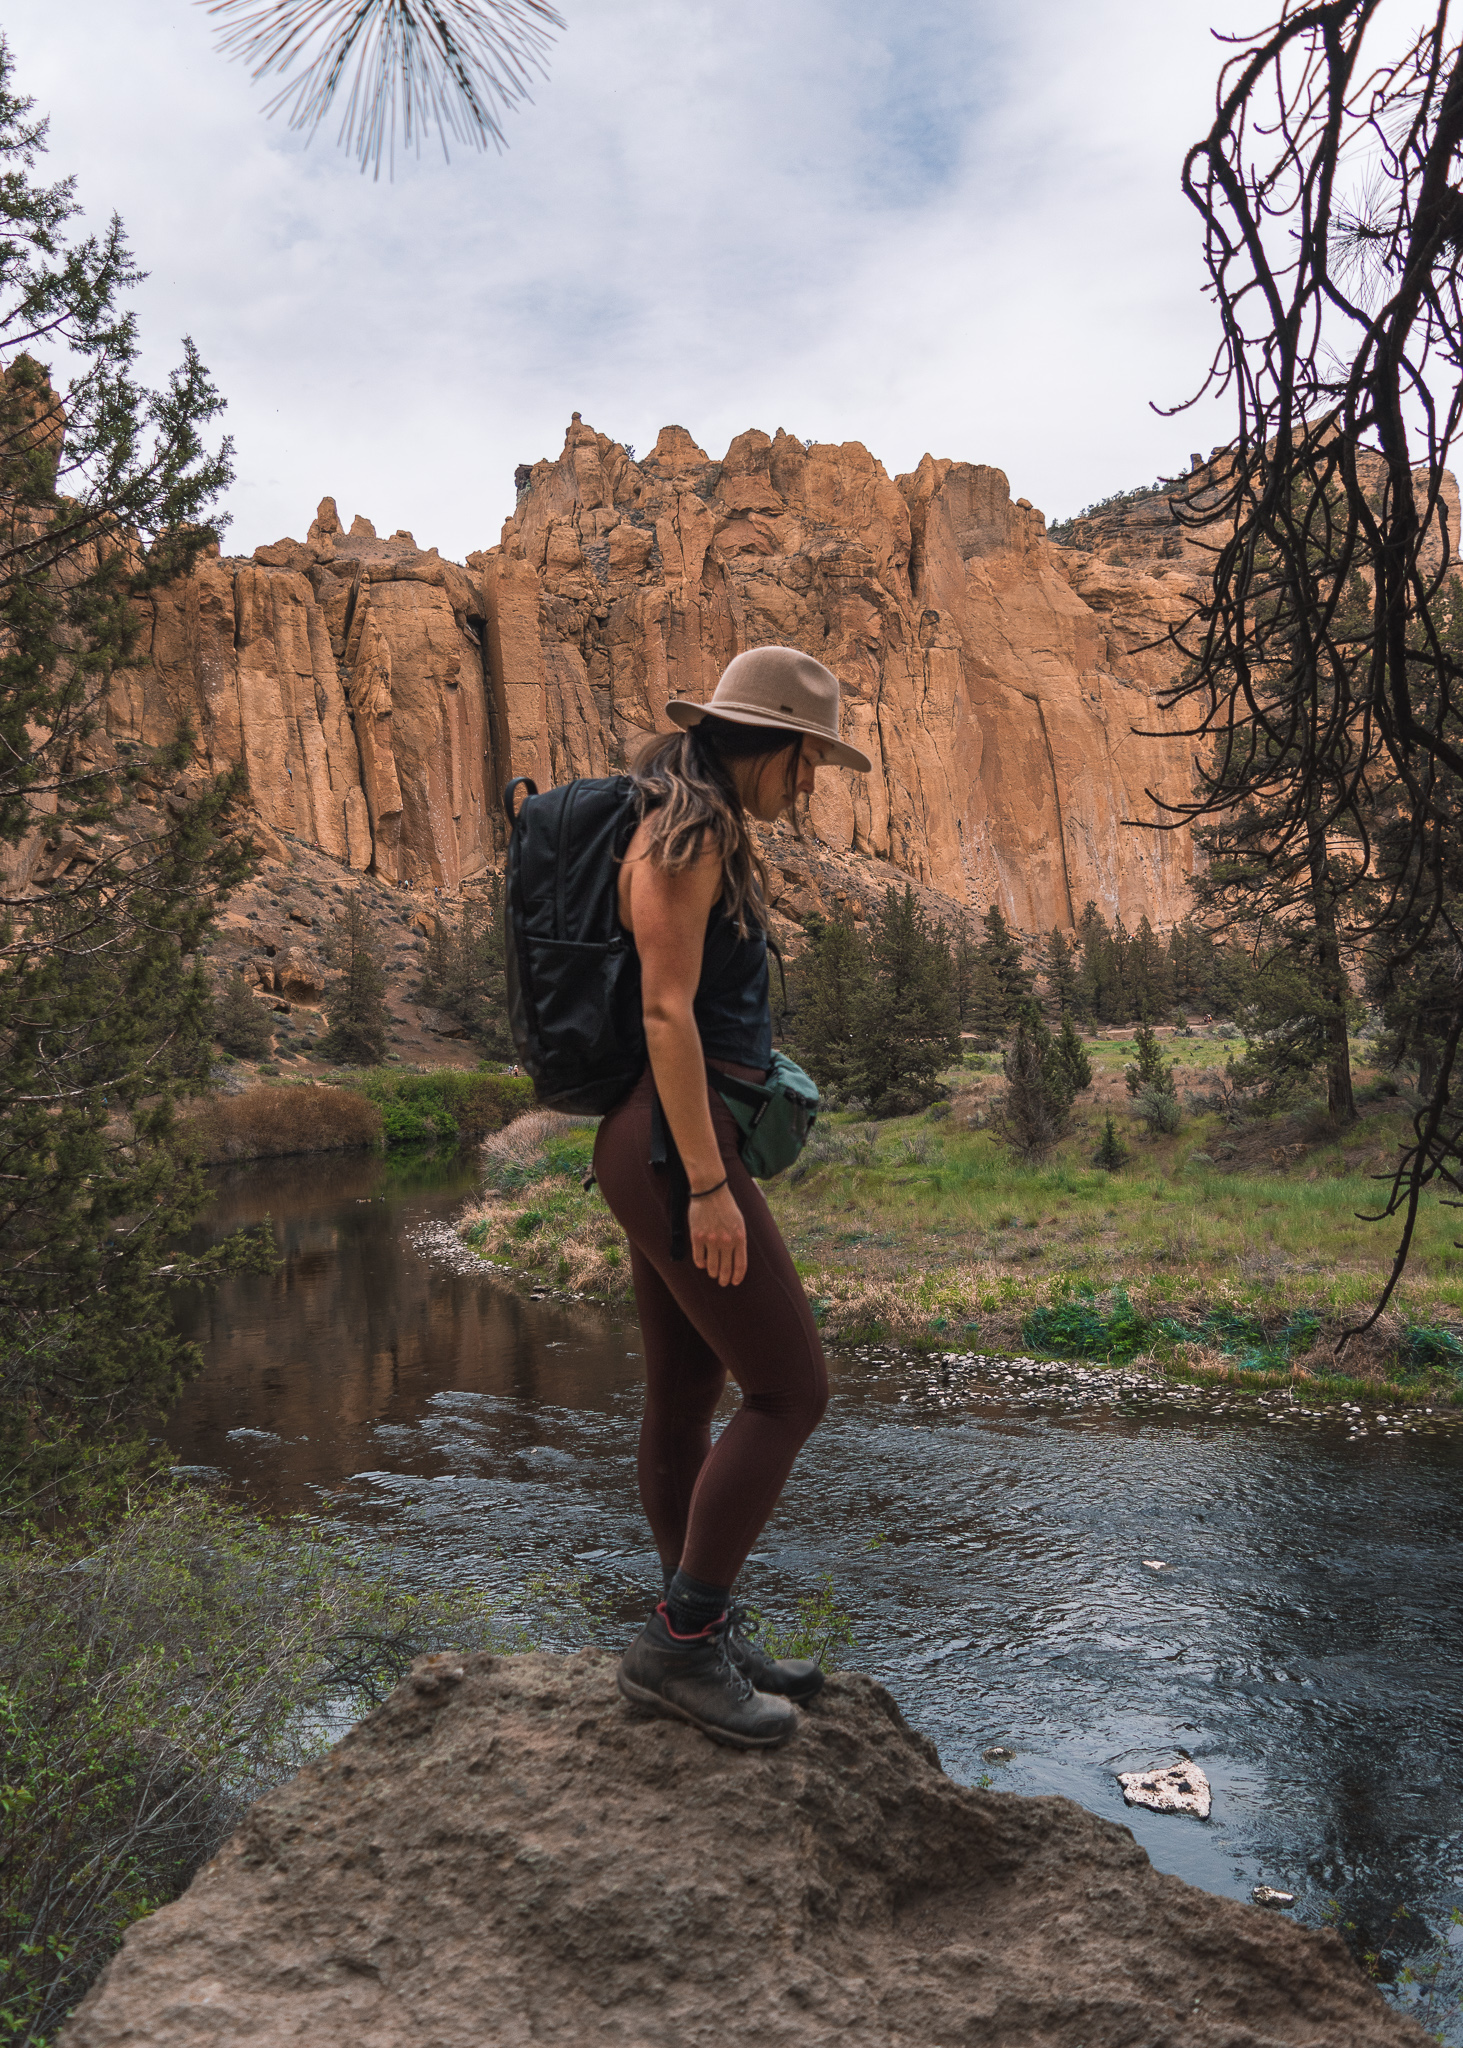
(573, 974)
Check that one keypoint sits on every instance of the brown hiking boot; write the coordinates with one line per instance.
(694, 1679)
(795, 1678)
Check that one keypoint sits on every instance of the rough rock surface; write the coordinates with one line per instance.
(347, 674)
(512, 1858)
(381, 696)
(994, 679)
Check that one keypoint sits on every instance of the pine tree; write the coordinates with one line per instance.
(1151, 1069)
(906, 1026)
(1149, 988)
(1112, 1152)
(1095, 974)
(830, 986)
(240, 1024)
(1061, 973)
(1151, 1084)
(356, 1008)
(964, 966)
(105, 493)
(988, 1017)
(1036, 1109)
(1119, 992)
(1001, 954)
(464, 972)
(1074, 1057)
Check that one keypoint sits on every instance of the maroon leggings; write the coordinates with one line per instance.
(707, 1507)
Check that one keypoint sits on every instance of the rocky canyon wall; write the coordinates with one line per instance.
(381, 696)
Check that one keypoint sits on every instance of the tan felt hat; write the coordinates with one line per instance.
(781, 687)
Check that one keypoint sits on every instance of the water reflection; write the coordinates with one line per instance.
(1097, 1578)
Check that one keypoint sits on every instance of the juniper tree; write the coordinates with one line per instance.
(831, 983)
(1150, 1082)
(906, 1026)
(105, 490)
(355, 1006)
(1150, 991)
(1112, 1153)
(464, 972)
(1074, 1056)
(1061, 972)
(964, 976)
(1099, 983)
(1036, 1109)
(239, 1022)
(1001, 955)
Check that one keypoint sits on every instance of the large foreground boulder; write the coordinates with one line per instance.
(510, 1857)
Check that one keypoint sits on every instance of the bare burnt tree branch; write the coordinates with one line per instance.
(1324, 668)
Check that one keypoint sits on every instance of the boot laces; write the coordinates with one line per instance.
(741, 1621)
(738, 1682)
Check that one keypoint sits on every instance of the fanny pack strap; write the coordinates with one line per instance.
(748, 1093)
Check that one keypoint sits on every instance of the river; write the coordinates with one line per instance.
(1089, 1571)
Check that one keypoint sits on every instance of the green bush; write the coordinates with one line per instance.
(154, 1680)
(446, 1106)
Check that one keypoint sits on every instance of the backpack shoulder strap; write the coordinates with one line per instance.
(518, 782)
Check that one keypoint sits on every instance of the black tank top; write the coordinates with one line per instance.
(733, 1004)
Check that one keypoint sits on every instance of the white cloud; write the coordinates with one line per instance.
(944, 226)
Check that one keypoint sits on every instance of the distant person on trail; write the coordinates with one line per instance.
(692, 896)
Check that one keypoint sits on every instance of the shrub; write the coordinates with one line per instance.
(270, 1123)
(832, 1144)
(154, 1680)
(1159, 1109)
(443, 1106)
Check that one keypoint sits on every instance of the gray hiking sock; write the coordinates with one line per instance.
(692, 1605)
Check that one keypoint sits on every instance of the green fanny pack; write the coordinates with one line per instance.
(775, 1116)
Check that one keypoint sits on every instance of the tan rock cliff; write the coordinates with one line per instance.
(381, 696)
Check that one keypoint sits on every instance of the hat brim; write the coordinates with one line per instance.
(685, 713)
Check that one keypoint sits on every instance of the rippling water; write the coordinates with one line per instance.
(1093, 1572)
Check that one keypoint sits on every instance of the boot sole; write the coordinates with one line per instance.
(656, 1703)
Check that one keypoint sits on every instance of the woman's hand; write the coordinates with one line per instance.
(719, 1238)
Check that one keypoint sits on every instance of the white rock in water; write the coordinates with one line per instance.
(1268, 1895)
(1181, 1788)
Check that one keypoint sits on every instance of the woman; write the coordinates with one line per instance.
(691, 897)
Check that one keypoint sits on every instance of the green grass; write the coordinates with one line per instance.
(1247, 1259)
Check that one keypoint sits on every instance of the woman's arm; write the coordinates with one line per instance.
(668, 916)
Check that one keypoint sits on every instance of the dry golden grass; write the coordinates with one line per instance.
(270, 1123)
(523, 1141)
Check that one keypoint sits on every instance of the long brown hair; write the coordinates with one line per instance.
(689, 797)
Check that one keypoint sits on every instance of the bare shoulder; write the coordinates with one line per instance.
(648, 891)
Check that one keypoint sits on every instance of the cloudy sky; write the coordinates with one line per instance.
(951, 225)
